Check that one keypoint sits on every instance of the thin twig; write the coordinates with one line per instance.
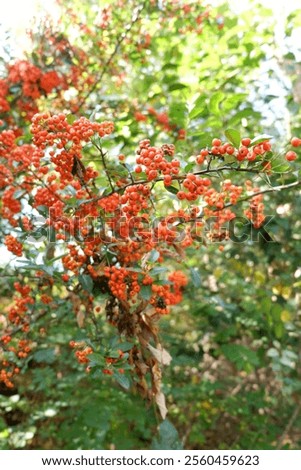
(46, 186)
(289, 426)
(273, 189)
(176, 178)
(203, 172)
(122, 37)
(103, 160)
(250, 196)
(20, 328)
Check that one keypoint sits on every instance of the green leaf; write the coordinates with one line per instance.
(260, 138)
(114, 354)
(172, 189)
(38, 267)
(168, 438)
(135, 270)
(233, 136)
(215, 101)
(170, 66)
(122, 379)
(146, 292)
(96, 359)
(203, 139)
(177, 113)
(230, 159)
(154, 256)
(198, 108)
(71, 118)
(272, 352)
(279, 165)
(45, 355)
(279, 330)
(126, 346)
(177, 86)
(244, 113)
(232, 102)
(189, 167)
(86, 282)
(48, 270)
(240, 355)
(157, 270)
(195, 277)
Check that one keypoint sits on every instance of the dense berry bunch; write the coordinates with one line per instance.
(245, 152)
(13, 245)
(170, 294)
(82, 351)
(153, 161)
(115, 236)
(123, 283)
(256, 208)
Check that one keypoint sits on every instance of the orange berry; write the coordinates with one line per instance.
(290, 156)
(215, 150)
(295, 142)
(216, 143)
(204, 152)
(167, 180)
(245, 141)
(181, 195)
(257, 150)
(266, 146)
(230, 150)
(242, 153)
(200, 159)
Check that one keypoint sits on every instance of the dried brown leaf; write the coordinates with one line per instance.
(160, 354)
(80, 318)
(160, 400)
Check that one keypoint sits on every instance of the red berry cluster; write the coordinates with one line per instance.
(195, 186)
(27, 83)
(5, 376)
(23, 348)
(122, 282)
(135, 199)
(256, 209)
(169, 294)
(10, 206)
(161, 118)
(13, 245)
(74, 259)
(66, 140)
(154, 161)
(110, 203)
(291, 155)
(81, 354)
(246, 151)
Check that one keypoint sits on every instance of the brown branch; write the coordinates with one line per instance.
(19, 328)
(122, 37)
(251, 196)
(45, 185)
(104, 163)
(273, 189)
(176, 178)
